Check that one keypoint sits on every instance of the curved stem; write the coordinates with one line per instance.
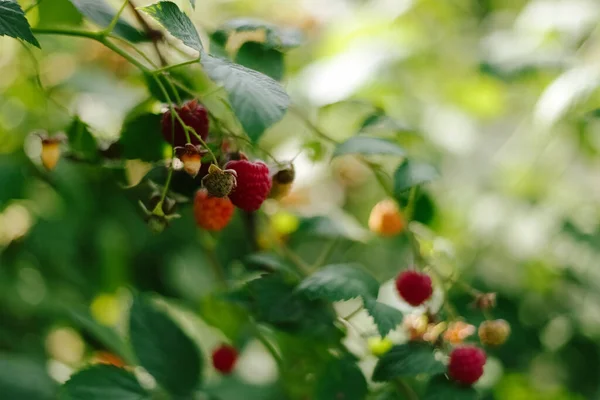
(406, 390)
(183, 64)
(107, 31)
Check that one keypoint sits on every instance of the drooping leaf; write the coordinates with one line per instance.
(81, 140)
(163, 349)
(102, 382)
(102, 13)
(276, 37)
(13, 22)
(340, 282)
(25, 378)
(407, 360)
(105, 335)
(385, 317)
(176, 22)
(141, 138)
(441, 388)
(261, 58)
(368, 145)
(257, 100)
(342, 379)
(410, 174)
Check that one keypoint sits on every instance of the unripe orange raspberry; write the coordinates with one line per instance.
(494, 333)
(212, 213)
(458, 331)
(386, 218)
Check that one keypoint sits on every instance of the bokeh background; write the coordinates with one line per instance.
(500, 95)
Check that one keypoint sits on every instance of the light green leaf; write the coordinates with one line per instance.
(13, 22)
(81, 140)
(257, 100)
(407, 360)
(105, 335)
(261, 58)
(163, 349)
(224, 315)
(103, 382)
(102, 13)
(385, 317)
(141, 138)
(368, 145)
(411, 174)
(176, 22)
(440, 388)
(342, 379)
(340, 282)
(277, 37)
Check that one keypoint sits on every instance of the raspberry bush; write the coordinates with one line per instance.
(206, 276)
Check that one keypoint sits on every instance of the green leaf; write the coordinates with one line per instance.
(25, 378)
(262, 58)
(193, 3)
(378, 121)
(105, 335)
(277, 37)
(368, 145)
(224, 315)
(103, 382)
(407, 360)
(102, 13)
(176, 22)
(410, 174)
(340, 282)
(58, 12)
(342, 379)
(12, 178)
(257, 100)
(173, 91)
(13, 22)
(441, 388)
(141, 138)
(81, 140)
(163, 349)
(385, 317)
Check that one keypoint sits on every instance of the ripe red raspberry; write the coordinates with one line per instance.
(224, 358)
(193, 115)
(466, 364)
(414, 287)
(212, 213)
(253, 184)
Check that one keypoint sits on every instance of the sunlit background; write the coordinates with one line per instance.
(500, 95)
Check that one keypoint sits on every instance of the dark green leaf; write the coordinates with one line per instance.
(257, 100)
(163, 349)
(342, 379)
(385, 317)
(13, 22)
(81, 140)
(176, 22)
(25, 378)
(340, 282)
(12, 178)
(261, 58)
(141, 138)
(407, 360)
(224, 315)
(105, 335)
(440, 388)
(103, 382)
(102, 13)
(368, 145)
(270, 261)
(277, 37)
(410, 174)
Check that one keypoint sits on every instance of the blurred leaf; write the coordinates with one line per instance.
(342, 379)
(25, 378)
(378, 121)
(102, 13)
(326, 228)
(271, 261)
(176, 22)
(407, 360)
(58, 12)
(340, 282)
(277, 37)
(385, 317)
(261, 58)
(224, 315)
(81, 140)
(163, 349)
(105, 335)
(12, 178)
(141, 138)
(257, 100)
(440, 388)
(410, 174)
(234, 388)
(193, 3)
(103, 382)
(368, 145)
(13, 22)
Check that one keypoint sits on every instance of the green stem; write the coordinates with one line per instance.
(409, 210)
(325, 253)
(265, 342)
(115, 19)
(405, 389)
(123, 54)
(31, 7)
(170, 67)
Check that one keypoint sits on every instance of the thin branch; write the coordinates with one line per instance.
(153, 34)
